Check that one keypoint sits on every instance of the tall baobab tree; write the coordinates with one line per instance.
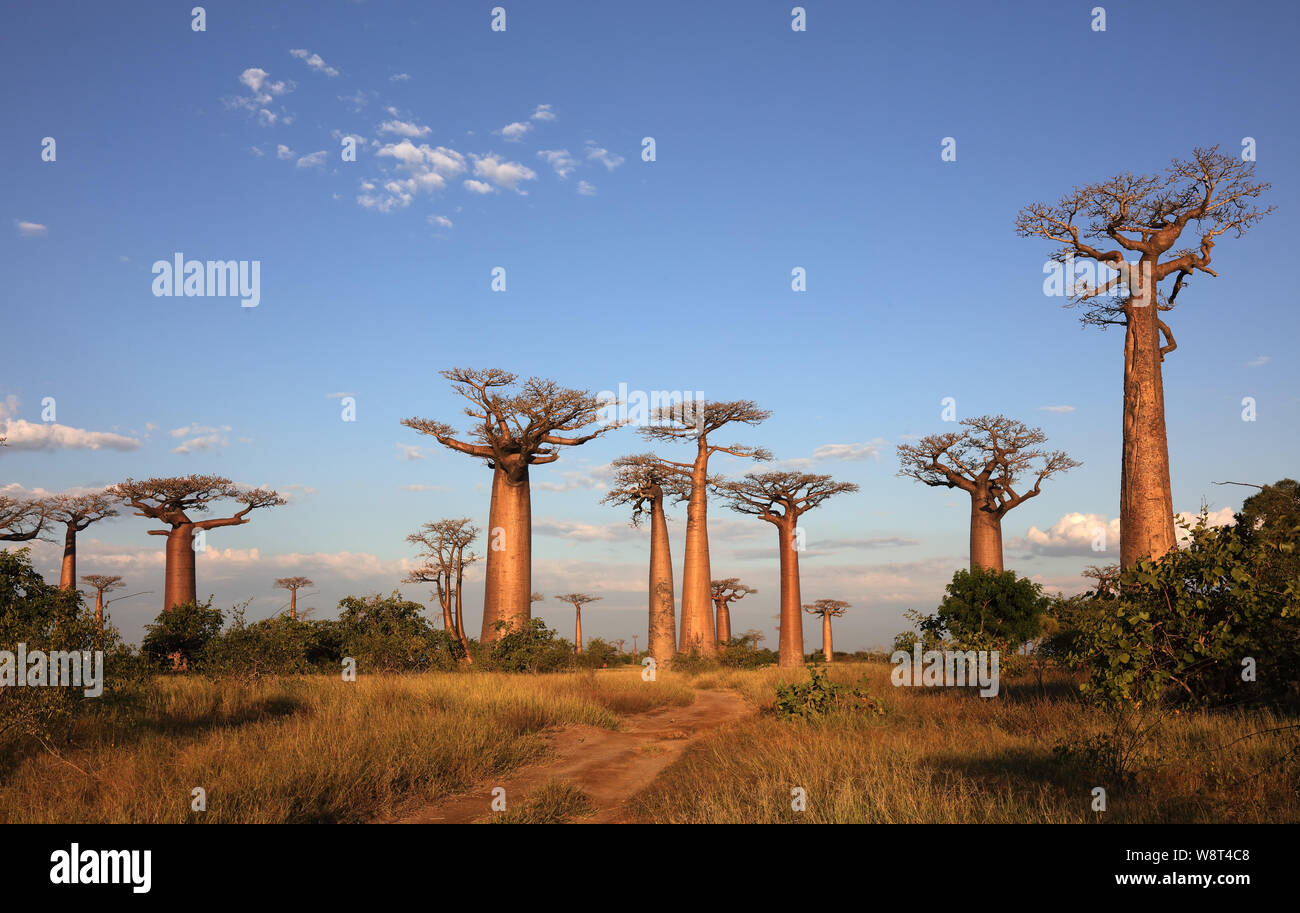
(643, 481)
(986, 460)
(444, 544)
(827, 609)
(724, 593)
(77, 513)
(1146, 216)
(171, 501)
(102, 584)
(22, 519)
(293, 585)
(515, 429)
(780, 498)
(578, 600)
(682, 423)
(636, 650)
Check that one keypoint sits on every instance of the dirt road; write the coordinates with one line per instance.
(608, 766)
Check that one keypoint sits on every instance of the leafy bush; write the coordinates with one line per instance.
(532, 647)
(819, 696)
(741, 654)
(273, 646)
(391, 634)
(178, 636)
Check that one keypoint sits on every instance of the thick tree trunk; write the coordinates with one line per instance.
(698, 632)
(790, 646)
(68, 576)
(577, 636)
(179, 586)
(507, 589)
(293, 604)
(448, 623)
(828, 648)
(663, 622)
(985, 538)
(1146, 503)
(724, 623)
(99, 610)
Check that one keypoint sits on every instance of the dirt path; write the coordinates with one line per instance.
(608, 766)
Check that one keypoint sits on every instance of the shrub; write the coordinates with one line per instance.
(819, 696)
(532, 647)
(178, 636)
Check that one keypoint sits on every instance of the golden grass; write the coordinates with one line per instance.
(312, 748)
(940, 755)
(554, 802)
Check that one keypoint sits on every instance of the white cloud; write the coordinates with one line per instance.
(586, 532)
(262, 90)
(404, 128)
(30, 229)
(24, 435)
(478, 186)
(586, 188)
(849, 452)
(314, 160)
(314, 61)
(283, 152)
(1055, 408)
(1073, 534)
(1259, 361)
(191, 430)
(515, 131)
(543, 112)
(257, 152)
(200, 444)
(440, 221)
(409, 452)
(425, 488)
(399, 77)
(428, 169)
(599, 154)
(502, 174)
(560, 160)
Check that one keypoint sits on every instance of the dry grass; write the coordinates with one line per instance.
(554, 802)
(940, 755)
(310, 749)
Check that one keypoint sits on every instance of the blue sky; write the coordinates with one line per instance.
(774, 150)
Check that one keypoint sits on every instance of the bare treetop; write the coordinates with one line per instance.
(103, 582)
(730, 589)
(778, 496)
(700, 419)
(578, 599)
(22, 519)
(993, 451)
(79, 511)
(639, 479)
(1146, 216)
(537, 597)
(293, 583)
(444, 543)
(170, 499)
(531, 422)
(824, 607)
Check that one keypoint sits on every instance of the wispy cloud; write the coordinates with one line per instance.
(314, 61)
(30, 229)
(1055, 408)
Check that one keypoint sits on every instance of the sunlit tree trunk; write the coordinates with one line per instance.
(68, 575)
(790, 646)
(697, 603)
(179, 586)
(507, 589)
(577, 636)
(663, 624)
(724, 622)
(828, 647)
(985, 537)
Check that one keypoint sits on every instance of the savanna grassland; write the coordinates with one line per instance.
(316, 749)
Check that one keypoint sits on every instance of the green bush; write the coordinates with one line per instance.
(176, 639)
(532, 647)
(819, 696)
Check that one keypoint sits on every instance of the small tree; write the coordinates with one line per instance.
(77, 513)
(578, 600)
(724, 593)
(990, 609)
(102, 584)
(293, 585)
(827, 609)
(180, 633)
(445, 542)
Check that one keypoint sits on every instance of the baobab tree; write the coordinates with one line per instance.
(724, 592)
(643, 481)
(444, 544)
(827, 609)
(77, 513)
(577, 600)
(986, 460)
(22, 519)
(1146, 215)
(697, 421)
(171, 501)
(620, 643)
(102, 584)
(516, 429)
(780, 498)
(293, 585)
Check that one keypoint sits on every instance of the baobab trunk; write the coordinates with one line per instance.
(68, 576)
(790, 646)
(724, 623)
(577, 636)
(697, 600)
(179, 587)
(1146, 505)
(985, 538)
(99, 610)
(507, 589)
(663, 623)
(828, 648)
(293, 603)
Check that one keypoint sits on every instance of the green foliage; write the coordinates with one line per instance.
(531, 647)
(998, 608)
(178, 636)
(391, 634)
(819, 696)
(273, 646)
(692, 663)
(740, 653)
(1183, 625)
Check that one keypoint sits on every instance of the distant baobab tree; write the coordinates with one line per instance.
(1146, 215)
(577, 600)
(102, 584)
(293, 585)
(636, 650)
(620, 643)
(643, 481)
(780, 498)
(827, 609)
(986, 460)
(444, 544)
(22, 519)
(515, 429)
(755, 636)
(77, 513)
(724, 592)
(171, 501)
(698, 420)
